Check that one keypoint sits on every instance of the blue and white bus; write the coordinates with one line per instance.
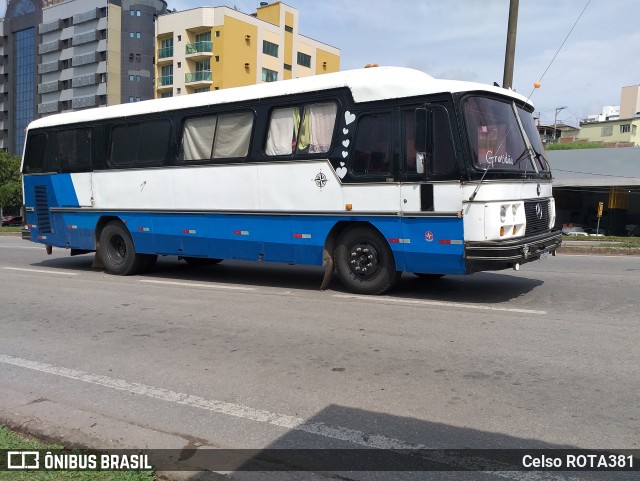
(369, 172)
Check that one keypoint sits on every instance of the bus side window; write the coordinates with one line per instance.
(409, 123)
(36, 153)
(74, 150)
(217, 136)
(140, 143)
(233, 135)
(373, 139)
(443, 158)
(197, 137)
(301, 130)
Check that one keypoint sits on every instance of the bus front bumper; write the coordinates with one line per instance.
(498, 255)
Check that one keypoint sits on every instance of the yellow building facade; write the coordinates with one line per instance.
(612, 131)
(211, 48)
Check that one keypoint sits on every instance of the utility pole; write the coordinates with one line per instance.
(510, 52)
(555, 122)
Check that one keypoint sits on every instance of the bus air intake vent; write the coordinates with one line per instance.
(537, 214)
(42, 209)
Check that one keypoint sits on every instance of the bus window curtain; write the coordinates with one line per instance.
(234, 133)
(197, 140)
(322, 118)
(281, 132)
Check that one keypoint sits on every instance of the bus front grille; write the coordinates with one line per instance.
(537, 214)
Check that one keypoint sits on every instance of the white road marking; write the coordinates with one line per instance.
(42, 271)
(457, 305)
(193, 284)
(354, 436)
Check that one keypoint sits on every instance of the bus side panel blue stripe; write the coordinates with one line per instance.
(291, 239)
(437, 245)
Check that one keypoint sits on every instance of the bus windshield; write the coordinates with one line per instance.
(496, 139)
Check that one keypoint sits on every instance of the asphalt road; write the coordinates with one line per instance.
(254, 355)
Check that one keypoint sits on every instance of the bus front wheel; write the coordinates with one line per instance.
(364, 261)
(118, 252)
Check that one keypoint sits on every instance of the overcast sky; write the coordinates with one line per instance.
(465, 40)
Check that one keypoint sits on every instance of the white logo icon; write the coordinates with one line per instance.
(23, 460)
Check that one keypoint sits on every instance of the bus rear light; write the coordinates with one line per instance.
(188, 231)
(502, 231)
(514, 230)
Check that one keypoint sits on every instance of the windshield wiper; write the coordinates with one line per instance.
(525, 153)
(473, 196)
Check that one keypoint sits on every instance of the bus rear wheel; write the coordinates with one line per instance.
(118, 252)
(365, 262)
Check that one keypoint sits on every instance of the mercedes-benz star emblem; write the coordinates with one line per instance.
(538, 190)
(321, 180)
(539, 211)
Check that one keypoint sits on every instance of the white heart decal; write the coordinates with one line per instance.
(341, 171)
(345, 143)
(344, 154)
(345, 131)
(342, 164)
(349, 117)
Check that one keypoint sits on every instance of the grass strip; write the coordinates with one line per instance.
(15, 441)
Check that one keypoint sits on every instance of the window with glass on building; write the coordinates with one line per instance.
(269, 48)
(269, 75)
(304, 59)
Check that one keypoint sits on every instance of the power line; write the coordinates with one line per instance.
(561, 45)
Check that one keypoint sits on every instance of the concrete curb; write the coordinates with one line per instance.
(53, 422)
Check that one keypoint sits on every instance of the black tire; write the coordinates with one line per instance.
(117, 250)
(427, 276)
(364, 261)
(201, 261)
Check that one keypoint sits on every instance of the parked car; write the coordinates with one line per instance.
(12, 221)
(594, 231)
(573, 230)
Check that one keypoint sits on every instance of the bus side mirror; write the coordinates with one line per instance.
(422, 138)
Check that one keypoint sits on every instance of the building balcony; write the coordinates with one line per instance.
(164, 83)
(198, 79)
(199, 50)
(165, 55)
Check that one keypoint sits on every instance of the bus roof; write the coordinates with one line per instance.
(368, 84)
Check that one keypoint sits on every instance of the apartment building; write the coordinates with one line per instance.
(60, 55)
(211, 48)
(18, 78)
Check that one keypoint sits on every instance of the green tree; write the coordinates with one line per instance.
(10, 181)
